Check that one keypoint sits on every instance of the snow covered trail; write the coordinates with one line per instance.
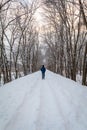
(26, 115)
(31, 103)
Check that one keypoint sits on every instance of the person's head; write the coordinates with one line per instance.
(42, 65)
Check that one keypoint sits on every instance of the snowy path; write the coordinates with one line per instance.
(55, 103)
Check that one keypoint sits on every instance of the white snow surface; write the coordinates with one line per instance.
(30, 103)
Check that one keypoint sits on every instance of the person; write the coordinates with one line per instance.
(43, 70)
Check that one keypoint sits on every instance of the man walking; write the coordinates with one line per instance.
(43, 69)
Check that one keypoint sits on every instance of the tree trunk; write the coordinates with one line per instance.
(84, 82)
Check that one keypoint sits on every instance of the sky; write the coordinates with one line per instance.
(38, 14)
(39, 17)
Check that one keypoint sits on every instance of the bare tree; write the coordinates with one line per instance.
(17, 31)
(66, 22)
(83, 12)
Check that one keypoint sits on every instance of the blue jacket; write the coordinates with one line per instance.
(43, 69)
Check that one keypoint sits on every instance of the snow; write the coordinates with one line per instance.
(79, 78)
(30, 103)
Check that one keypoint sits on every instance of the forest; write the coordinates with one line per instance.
(59, 42)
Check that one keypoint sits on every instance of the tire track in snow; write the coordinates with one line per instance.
(68, 109)
(49, 116)
(58, 103)
(18, 110)
(39, 110)
(75, 103)
(76, 107)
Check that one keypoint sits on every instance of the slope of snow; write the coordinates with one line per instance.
(30, 103)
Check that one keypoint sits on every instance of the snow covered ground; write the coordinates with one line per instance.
(30, 103)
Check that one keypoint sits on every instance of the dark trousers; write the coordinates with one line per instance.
(43, 75)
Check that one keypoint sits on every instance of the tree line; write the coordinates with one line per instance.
(66, 37)
(19, 48)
